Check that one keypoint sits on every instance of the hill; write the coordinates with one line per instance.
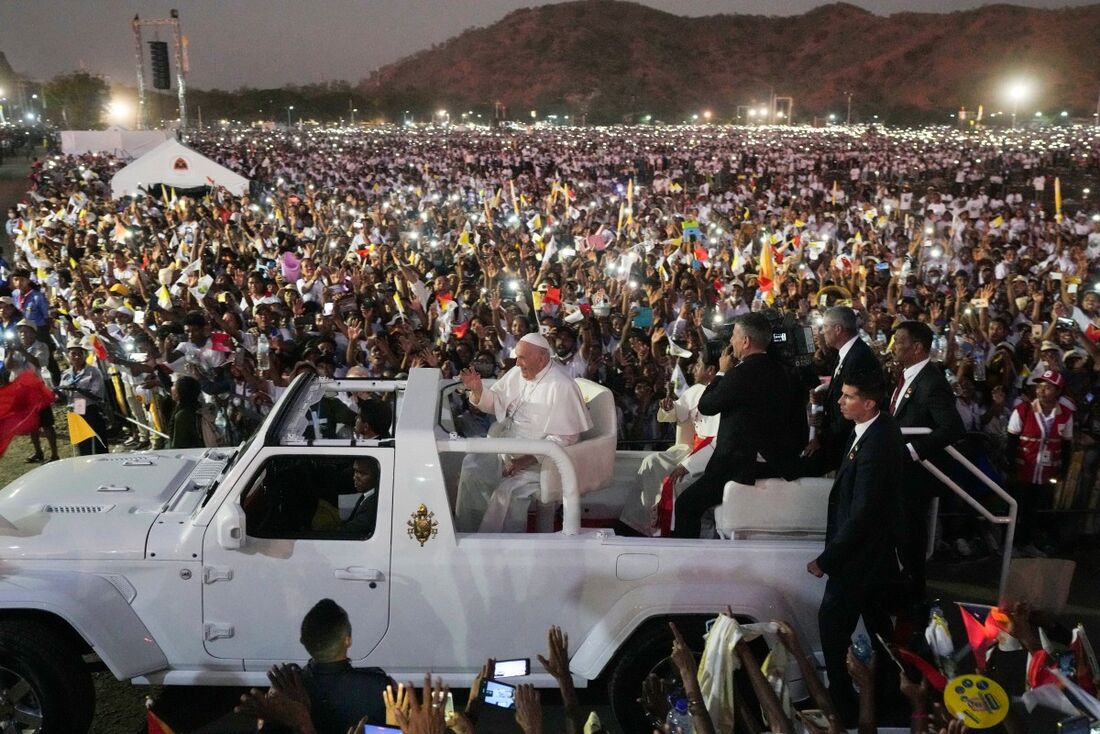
(611, 59)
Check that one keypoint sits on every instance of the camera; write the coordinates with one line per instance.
(792, 342)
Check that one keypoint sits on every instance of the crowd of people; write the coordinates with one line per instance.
(631, 250)
(330, 696)
(789, 295)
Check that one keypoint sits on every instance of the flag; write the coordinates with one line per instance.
(553, 296)
(999, 221)
(20, 402)
(515, 204)
(766, 277)
(537, 300)
(459, 330)
(399, 303)
(120, 232)
(164, 298)
(934, 677)
(79, 430)
(154, 724)
(445, 299)
(1085, 660)
(1057, 199)
(980, 636)
(834, 192)
(535, 223)
(219, 342)
(98, 349)
(678, 381)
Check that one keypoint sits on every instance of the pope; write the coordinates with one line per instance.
(536, 399)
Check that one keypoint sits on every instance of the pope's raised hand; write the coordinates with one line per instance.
(471, 380)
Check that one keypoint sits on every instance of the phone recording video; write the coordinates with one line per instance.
(501, 695)
(379, 729)
(512, 668)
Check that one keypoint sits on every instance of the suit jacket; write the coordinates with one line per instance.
(864, 505)
(836, 429)
(754, 402)
(929, 402)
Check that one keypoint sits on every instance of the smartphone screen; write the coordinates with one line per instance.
(512, 668)
(501, 695)
(328, 308)
(1074, 725)
(379, 729)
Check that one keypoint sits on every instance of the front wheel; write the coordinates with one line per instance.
(649, 651)
(44, 686)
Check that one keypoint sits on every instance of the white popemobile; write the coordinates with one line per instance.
(196, 567)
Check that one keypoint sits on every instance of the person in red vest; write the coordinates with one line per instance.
(1039, 436)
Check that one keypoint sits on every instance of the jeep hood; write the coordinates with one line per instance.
(93, 506)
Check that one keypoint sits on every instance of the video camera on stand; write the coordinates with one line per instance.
(792, 342)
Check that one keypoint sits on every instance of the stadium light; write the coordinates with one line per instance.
(119, 111)
(1017, 92)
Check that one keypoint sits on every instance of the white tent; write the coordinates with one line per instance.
(174, 164)
(115, 140)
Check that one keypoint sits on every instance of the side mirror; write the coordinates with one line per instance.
(229, 525)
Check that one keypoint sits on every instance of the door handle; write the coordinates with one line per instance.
(358, 573)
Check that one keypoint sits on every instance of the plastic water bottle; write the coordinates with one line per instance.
(47, 378)
(679, 720)
(979, 367)
(263, 353)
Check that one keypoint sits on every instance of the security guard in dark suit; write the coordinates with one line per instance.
(756, 400)
(840, 331)
(921, 398)
(859, 557)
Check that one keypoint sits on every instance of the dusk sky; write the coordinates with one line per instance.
(275, 42)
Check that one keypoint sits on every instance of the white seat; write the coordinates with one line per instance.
(593, 456)
(774, 507)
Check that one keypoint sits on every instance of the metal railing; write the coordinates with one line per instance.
(570, 495)
(1009, 520)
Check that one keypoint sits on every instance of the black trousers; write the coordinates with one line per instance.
(844, 602)
(913, 547)
(704, 493)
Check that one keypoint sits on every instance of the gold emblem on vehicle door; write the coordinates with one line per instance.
(422, 525)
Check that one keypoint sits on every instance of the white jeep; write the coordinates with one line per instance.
(196, 567)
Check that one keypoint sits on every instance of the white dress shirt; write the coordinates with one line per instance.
(844, 353)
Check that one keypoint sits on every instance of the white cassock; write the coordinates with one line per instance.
(640, 511)
(547, 407)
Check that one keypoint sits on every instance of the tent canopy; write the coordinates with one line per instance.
(115, 140)
(174, 164)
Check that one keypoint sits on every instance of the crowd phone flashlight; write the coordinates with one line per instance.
(512, 668)
(495, 693)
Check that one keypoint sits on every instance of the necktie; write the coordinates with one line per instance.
(897, 393)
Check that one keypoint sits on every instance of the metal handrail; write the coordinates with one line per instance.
(1009, 520)
(570, 494)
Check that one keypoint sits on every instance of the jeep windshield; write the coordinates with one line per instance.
(321, 411)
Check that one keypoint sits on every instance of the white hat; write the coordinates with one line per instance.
(537, 340)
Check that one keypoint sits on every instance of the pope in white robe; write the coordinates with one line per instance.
(536, 399)
(686, 461)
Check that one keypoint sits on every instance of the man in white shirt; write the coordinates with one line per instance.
(680, 460)
(536, 399)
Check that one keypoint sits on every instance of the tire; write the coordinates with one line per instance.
(34, 655)
(648, 652)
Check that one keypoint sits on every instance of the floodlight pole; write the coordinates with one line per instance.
(135, 25)
(181, 68)
(181, 62)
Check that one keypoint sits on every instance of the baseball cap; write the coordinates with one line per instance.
(1052, 377)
